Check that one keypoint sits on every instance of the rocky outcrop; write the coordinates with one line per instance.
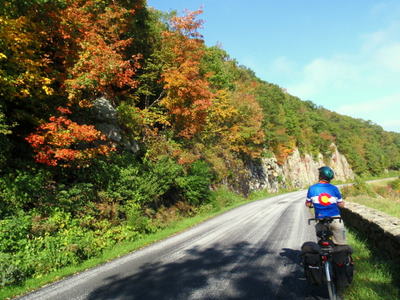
(106, 121)
(266, 174)
(302, 170)
(297, 171)
(383, 230)
(338, 162)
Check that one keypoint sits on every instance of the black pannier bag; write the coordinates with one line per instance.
(311, 256)
(343, 266)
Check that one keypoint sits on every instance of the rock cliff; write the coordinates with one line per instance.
(297, 171)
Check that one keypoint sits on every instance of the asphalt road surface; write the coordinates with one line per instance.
(251, 252)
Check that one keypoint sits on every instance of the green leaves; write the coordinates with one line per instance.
(195, 185)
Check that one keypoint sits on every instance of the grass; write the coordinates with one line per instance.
(222, 200)
(388, 206)
(381, 183)
(377, 195)
(376, 277)
(383, 176)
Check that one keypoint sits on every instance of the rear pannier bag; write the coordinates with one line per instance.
(313, 271)
(343, 266)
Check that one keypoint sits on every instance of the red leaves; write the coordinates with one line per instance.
(64, 110)
(62, 141)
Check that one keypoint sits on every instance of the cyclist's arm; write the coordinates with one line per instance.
(340, 201)
(308, 199)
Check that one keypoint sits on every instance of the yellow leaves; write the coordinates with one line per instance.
(46, 80)
(49, 91)
(234, 124)
(85, 103)
(154, 117)
(25, 92)
(21, 50)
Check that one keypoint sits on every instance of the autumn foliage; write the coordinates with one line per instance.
(93, 49)
(63, 142)
(174, 95)
(187, 92)
(22, 63)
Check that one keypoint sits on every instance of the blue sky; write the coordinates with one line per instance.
(342, 55)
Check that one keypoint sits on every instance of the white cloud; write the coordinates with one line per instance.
(383, 111)
(386, 9)
(323, 74)
(282, 65)
(374, 40)
(385, 104)
(363, 84)
(389, 57)
(391, 125)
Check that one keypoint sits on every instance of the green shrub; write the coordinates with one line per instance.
(195, 186)
(395, 185)
(34, 246)
(223, 197)
(75, 197)
(358, 188)
(5, 144)
(137, 220)
(10, 273)
(23, 188)
(14, 232)
(146, 183)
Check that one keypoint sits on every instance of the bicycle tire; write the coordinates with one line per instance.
(329, 282)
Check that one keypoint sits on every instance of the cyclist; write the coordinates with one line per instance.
(327, 200)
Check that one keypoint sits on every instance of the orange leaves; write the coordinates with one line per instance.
(94, 52)
(62, 141)
(282, 152)
(188, 24)
(188, 95)
(327, 136)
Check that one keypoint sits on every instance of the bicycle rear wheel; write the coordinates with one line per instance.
(329, 282)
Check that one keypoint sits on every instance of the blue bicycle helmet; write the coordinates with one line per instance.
(326, 173)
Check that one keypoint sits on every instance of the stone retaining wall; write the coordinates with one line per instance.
(383, 230)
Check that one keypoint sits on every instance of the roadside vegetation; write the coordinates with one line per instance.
(383, 196)
(170, 221)
(376, 276)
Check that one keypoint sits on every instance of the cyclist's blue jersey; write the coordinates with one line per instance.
(324, 197)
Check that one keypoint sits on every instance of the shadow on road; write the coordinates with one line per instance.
(295, 286)
(218, 272)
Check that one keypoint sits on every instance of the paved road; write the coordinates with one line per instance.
(251, 252)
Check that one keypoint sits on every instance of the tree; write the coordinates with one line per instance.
(187, 92)
(93, 49)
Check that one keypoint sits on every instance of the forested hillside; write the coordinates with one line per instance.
(112, 112)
